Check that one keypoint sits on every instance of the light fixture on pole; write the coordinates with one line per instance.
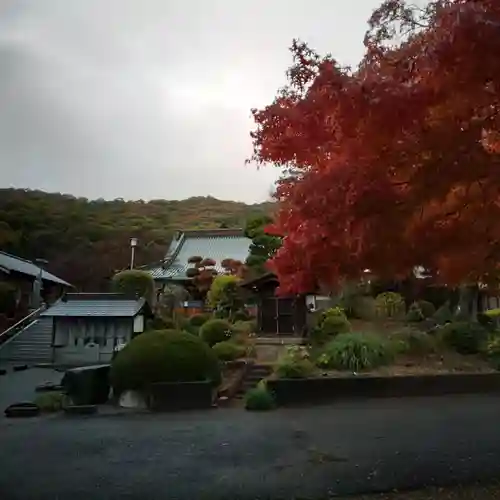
(36, 293)
(133, 244)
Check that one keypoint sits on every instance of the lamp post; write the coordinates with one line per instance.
(36, 298)
(133, 244)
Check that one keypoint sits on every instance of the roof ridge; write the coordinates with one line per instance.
(100, 295)
(21, 258)
(214, 232)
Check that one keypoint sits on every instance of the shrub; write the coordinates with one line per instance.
(443, 315)
(294, 364)
(226, 295)
(241, 315)
(493, 348)
(229, 351)
(427, 308)
(159, 323)
(215, 331)
(198, 320)
(414, 314)
(244, 327)
(329, 324)
(411, 341)
(485, 320)
(50, 402)
(420, 310)
(134, 282)
(356, 352)
(163, 356)
(389, 305)
(364, 308)
(493, 313)
(463, 336)
(259, 399)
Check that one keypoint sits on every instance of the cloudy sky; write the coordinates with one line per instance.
(151, 98)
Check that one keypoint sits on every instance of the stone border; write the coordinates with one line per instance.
(330, 389)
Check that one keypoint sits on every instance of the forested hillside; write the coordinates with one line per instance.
(86, 241)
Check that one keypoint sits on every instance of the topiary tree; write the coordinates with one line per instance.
(226, 296)
(215, 331)
(235, 268)
(202, 273)
(135, 282)
(163, 356)
(263, 245)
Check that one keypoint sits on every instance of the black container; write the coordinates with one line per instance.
(88, 385)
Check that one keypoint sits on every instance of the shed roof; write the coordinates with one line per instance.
(110, 305)
(11, 263)
(216, 244)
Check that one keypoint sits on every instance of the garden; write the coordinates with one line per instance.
(381, 340)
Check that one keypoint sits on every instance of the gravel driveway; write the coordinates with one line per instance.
(304, 453)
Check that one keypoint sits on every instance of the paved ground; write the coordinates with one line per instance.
(315, 453)
(20, 386)
(16, 387)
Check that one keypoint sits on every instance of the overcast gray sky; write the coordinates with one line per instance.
(151, 98)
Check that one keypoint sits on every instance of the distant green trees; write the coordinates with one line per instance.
(87, 241)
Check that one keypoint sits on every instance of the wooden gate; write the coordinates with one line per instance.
(281, 316)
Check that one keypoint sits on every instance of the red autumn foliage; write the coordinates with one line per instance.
(397, 163)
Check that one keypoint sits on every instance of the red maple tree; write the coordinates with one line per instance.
(394, 164)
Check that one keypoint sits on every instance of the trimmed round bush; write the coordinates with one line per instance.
(464, 337)
(228, 351)
(215, 331)
(420, 310)
(329, 324)
(333, 325)
(356, 352)
(390, 305)
(259, 399)
(198, 320)
(163, 356)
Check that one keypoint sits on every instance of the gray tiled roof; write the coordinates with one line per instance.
(217, 244)
(12, 263)
(111, 305)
